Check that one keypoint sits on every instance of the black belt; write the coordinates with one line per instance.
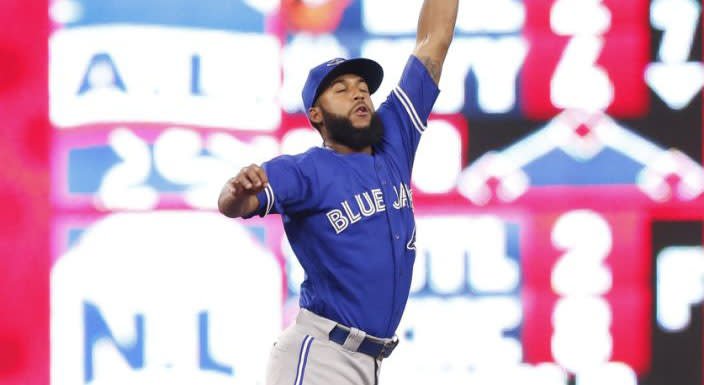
(372, 347)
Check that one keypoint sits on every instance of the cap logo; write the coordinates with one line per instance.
(335, 62)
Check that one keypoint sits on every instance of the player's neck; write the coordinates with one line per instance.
(342, 149)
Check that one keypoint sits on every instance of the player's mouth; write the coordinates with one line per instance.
(361, 110)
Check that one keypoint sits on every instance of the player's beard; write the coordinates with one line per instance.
(341, 130)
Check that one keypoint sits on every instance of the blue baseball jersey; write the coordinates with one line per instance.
(349, 218)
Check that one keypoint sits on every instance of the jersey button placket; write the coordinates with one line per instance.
(388, 193)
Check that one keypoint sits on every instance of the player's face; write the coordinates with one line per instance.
(348, 96)
(339, 129)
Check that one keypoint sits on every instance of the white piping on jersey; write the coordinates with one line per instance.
(410, 109)
(411, 245)
(269, 198)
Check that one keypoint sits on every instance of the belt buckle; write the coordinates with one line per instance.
(388, 348)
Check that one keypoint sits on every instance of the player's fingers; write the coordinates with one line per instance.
(243, 179)
(236, 186)
(262, 175)
(253, 176)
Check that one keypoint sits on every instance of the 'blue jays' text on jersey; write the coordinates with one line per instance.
(349, 218)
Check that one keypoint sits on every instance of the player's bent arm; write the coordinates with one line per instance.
(238, 196)
(233, 205)
(436, 27)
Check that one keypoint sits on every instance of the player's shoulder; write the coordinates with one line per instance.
(307, 155)
(311, 156)
(302, 161)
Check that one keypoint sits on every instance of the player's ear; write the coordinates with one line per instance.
(315, 115)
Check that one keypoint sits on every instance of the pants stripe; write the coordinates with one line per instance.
(303, 359)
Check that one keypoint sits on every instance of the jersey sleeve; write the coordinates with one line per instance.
(412, 99)
(288, 190)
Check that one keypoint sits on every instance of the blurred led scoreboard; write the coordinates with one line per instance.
(558, 189)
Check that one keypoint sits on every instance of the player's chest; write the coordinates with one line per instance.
(351, 202)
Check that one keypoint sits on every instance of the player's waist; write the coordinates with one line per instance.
(348, 337)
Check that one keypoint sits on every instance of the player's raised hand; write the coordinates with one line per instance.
(239, 195)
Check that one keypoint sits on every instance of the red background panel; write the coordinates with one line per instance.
(624, 14)
(628, 37)
(24, 187)
(629, 297)
(630, 91)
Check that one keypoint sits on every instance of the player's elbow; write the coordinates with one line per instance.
(434, 47)
(230, 213)
(438, 39)
(443, 39)
(225, 207)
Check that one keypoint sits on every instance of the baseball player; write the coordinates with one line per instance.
(347, 210)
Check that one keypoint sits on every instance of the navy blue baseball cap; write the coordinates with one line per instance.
(320, 77)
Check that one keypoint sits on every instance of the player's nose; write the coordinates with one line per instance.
(359, 96)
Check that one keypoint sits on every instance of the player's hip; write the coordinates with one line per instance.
(305, 354)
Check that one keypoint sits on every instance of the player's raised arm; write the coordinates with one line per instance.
(238, 196)
(436, 27)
